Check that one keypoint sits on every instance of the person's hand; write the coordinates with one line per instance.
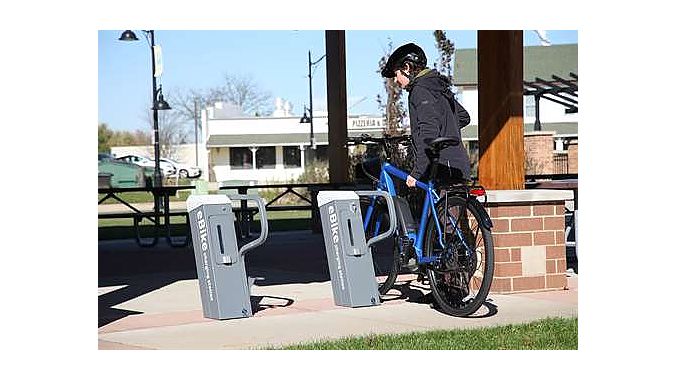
(410, 181)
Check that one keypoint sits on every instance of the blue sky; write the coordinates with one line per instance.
(275, 60)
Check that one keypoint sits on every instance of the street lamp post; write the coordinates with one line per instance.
(158, 104)
(158, 101)
(305, 119)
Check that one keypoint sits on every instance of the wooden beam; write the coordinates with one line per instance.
(336, 92)
(501, 146)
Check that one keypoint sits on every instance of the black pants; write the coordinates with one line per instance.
(444, 176)
(448, 175)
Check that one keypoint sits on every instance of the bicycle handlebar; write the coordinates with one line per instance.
(366, 139)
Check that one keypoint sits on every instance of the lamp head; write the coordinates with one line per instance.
(160, 103)
(305, 118)
(128, 35)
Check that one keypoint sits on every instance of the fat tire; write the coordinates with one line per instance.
(440, 295)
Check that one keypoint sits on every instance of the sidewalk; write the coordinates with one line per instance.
(293, 302)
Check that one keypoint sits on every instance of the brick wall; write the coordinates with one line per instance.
(530, 253)
(539, 148)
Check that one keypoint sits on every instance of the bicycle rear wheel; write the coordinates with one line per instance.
(460, 279)
(385, 254)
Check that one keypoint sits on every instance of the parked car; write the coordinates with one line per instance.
(183, 170)
(113, 173)
(167, 169)
(106, 157)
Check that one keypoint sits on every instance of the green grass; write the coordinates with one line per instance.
(545, 334)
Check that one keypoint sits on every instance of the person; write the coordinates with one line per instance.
(433, 111)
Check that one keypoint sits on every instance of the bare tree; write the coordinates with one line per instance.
(393, 107)
(239, 90)
(395, 112)
(243, 92)
(183, 102)
(173, 131)
(446, 50)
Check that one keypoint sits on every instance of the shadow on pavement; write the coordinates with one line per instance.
(257, 303)
(412, 292)
(293, 257)
(285, 258)
(131, 287)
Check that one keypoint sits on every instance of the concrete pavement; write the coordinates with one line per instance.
(158, 305)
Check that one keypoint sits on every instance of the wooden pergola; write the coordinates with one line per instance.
(500, 86)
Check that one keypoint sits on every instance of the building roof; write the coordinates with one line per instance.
(265, 139)
(539, 61)
(281, 139)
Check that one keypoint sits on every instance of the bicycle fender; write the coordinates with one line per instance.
(483, 214)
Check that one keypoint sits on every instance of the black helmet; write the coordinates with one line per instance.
(409, 52)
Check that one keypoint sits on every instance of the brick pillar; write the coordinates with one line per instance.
(539, 148)
(572, 157)
(528, 237)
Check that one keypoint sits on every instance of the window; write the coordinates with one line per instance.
(529, 106)
(241, 158)
(265, 158)
(320, 153)
(291, 157)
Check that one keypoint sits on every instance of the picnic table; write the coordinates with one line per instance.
(161, 210)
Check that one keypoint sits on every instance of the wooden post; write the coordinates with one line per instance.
(500, 82)
(336, 91)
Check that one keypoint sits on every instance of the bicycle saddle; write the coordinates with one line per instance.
(441, 143)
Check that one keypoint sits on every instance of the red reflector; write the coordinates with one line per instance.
(478, 192)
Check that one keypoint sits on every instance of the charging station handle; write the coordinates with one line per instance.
(390, 211)
(264, 220)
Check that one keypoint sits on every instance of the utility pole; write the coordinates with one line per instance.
(196, 135)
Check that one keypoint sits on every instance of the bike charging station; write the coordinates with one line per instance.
(225, 289)
(349, 254)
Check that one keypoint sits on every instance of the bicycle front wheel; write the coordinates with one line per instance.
(385, 254)
(461, 276)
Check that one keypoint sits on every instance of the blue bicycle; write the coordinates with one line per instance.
(450, 242)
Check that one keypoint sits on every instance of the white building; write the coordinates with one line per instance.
(267, 149)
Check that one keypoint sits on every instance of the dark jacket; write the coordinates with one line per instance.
(432, 116)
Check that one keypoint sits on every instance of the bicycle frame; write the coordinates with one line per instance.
(431, 197)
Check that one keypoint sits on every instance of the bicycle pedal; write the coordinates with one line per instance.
(411, 264)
